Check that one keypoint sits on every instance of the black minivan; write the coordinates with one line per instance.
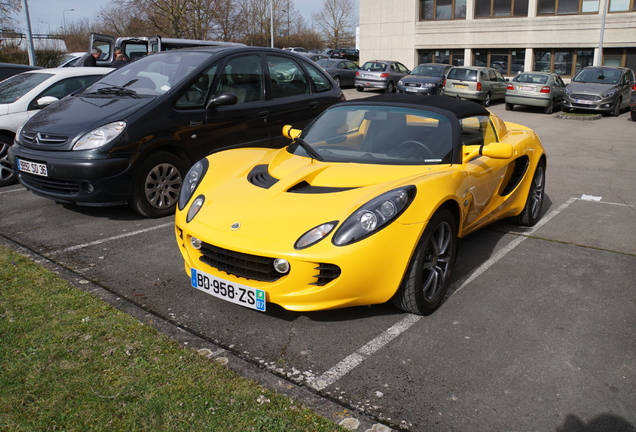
(132, 135)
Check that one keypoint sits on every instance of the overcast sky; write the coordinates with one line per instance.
(47, 15)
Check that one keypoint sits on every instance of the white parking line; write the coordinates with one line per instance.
(104, 240)
(12, 190)
(355, 359)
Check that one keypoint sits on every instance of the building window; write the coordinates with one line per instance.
(622, 5)
(568, 7)
(562, 62)
(508, 62)
(501, 8)
(442, 9)
(451, 57)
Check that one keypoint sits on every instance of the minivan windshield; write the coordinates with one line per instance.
(15, 87)
(598, 76)
(152, 75)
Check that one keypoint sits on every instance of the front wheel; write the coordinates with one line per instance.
(531, 212)
(337, 80)
(157, 184)
(7, 175)
(429, 273)
(617, 108)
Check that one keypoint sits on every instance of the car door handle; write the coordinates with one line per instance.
(313, 104)
(263, 114)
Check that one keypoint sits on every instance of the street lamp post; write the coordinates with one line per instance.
(64, 18)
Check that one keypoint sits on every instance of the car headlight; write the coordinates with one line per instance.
(191, 182)
(567, 90)
(400, 82)
(100, 136)
(374, 215)
(609, 93)
(314, 235)
(429, 85)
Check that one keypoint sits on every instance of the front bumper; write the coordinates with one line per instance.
(596, 105)
(370, 271)
(84, 178)
(417, 91)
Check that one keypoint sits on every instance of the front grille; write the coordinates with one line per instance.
(239, 264)
(32, 138)
(583, 96)
(412, 85)
(47, 184)
(326, 273)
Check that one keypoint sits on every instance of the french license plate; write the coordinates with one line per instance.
(411, 90)
(525, 88)
(584, 102)
(460, 85)
(32, 167)
(242, 295)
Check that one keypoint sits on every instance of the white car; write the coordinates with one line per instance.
(24, 94)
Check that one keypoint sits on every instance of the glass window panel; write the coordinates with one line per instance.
(444, 9)
(521, 8)
(482, 8)
(518, 59)
(460, 8)
(619, 5)
(502, 7)
(427, 9)
(545, 6)
(584, 58)
(481, 59)
(590, 6)
(457, 57)
(563, 62)
(542, 61)
(568, 7)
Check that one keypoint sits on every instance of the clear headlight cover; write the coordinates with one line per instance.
(314, 235)
(374, 215)
(609, 93)
(191, 182)
(100, 137)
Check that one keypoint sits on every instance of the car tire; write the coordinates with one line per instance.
(390, 87)
(487, 100)
(531, 212)
(509, 106)
(156, 185)
(337, 80)
(360, 88)
(550, 108)
(617, 108)
(633, 114)
(8, 175)
(429, 273)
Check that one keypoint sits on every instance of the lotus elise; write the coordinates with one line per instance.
(365, 205)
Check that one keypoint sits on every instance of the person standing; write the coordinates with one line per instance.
(91, 61)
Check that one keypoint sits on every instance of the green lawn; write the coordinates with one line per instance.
(70, 362)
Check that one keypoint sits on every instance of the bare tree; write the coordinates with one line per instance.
(7, 9)
(336, 20)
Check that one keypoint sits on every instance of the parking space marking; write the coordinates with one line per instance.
(12, 190)
(104, 240)
(355, 359)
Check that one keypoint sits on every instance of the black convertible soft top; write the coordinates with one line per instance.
(461, 108)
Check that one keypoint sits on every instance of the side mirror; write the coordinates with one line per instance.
(492, 150)
(289, 132)
(45, 101)
(228, 98)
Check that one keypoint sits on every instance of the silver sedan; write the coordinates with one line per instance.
(380, 74)
(540, 89)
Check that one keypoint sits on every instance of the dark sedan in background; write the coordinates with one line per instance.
(343, 72)
(425, 79)
(132, 135)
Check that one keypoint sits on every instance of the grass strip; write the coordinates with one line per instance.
(70, 362)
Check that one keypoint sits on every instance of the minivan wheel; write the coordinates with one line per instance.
(156, 186)
(617, 108)
(486, 101)
(7, 174)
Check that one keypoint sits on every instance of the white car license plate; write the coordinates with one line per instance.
(584, 102)
(32, 167)
(242, 295)
(525, 88)
(411, 90)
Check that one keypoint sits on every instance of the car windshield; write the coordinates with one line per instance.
(463, 74)
(430, 71)
(378, 135)
(152, 75)
(531, 78)
(374, 66)
(15, 87)
(598, 76)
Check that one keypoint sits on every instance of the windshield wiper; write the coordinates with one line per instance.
(119, 90)
(309, 149)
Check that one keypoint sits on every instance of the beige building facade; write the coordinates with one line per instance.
(560, 36)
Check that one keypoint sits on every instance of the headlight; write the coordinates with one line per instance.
(400, 82)
(429, 85)
(100, 136)
(609, 93)
(191, 181)
(567, 90)
(314, 235)
(374, 215)
(195, 207)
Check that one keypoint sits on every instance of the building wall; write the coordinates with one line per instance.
(390, 29)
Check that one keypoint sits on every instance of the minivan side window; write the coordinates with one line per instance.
(286, 77)
(197, 94)
(243, 76)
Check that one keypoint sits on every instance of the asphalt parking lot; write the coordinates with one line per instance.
(536, 334)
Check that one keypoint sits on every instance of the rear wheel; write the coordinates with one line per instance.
(531, 213)
(428, 275)
(550, 108)
(633, 114)
(7, 175)
(509, 106)
(157, 184)
(360, 88)
(390, 87)
(487, 100)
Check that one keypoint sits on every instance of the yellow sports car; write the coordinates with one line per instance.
(364, 206)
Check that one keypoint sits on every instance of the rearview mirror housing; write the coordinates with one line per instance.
(291, 133)
(493, 150)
